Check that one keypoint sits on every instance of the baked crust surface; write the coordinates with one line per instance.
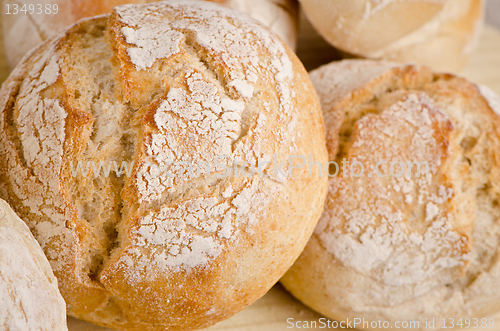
(409, 247)
(281, 16)
(161, 87)
(29, 296)
(440, 34)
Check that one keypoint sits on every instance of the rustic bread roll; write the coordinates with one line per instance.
(407, 248)
(29, 297)
(438, 33)
(163, 87)
(279, 15)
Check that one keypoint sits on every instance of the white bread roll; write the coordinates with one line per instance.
(176, 81)
(279, 15)
(29, 297)
(438, 33)
(405, 248)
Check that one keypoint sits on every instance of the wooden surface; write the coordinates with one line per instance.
(271, 312)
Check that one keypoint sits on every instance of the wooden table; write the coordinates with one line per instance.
(271, 312)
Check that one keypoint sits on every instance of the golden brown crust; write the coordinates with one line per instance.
(179, 81)
(281, 16)
(405, 248)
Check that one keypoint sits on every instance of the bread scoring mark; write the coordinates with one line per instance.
(216, 29)
(404, 234)
(209, 111)
(214, 123)
(106, 133)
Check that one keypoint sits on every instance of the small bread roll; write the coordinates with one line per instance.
(281, 16)
(405, 247)
(29, 297)
(201, 107)
(437, 33)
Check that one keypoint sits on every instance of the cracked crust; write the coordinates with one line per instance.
(410, 247)
(176, 81)
(281, 16)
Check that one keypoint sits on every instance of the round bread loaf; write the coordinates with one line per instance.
(29, 297)
(200, 108)
(438, 33)
(47, 18)
(399, 245)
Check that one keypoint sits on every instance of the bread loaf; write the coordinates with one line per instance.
(192, 97)
(29, 297)
(438, 33)
(279, 15)
(405, 247)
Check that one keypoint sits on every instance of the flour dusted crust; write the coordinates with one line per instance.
(438, 33)
(156, 86)
(29, 296)
(409, 247)
(279, 15)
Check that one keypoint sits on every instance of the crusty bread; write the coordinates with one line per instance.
(279, 15)
(407, 248)
(177, 81)
(29, 297)
(438, 33)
